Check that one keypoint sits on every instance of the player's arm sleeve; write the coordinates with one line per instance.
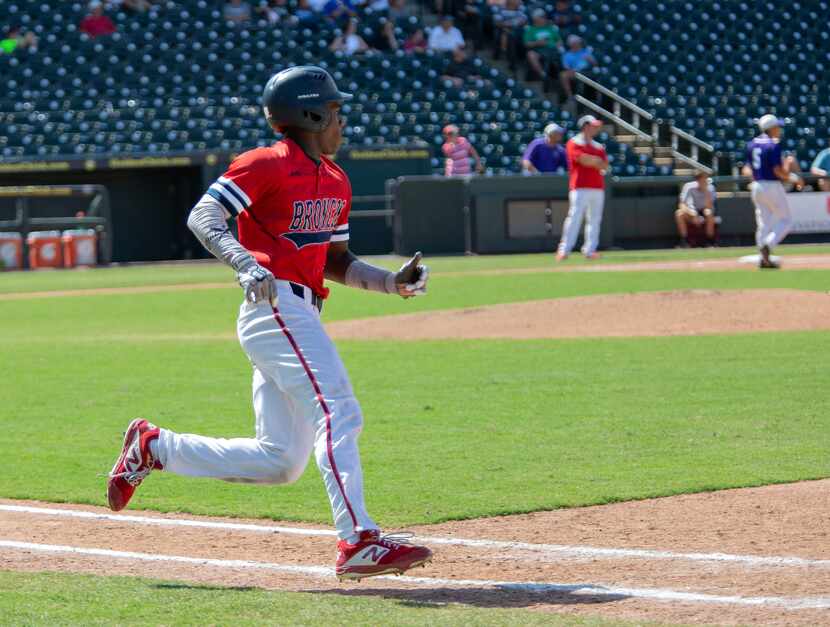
(527, 155)
(209, 222)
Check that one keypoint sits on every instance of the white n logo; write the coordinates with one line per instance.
(374, 553)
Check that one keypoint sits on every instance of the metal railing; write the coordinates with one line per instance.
(623, 112)
(683, 146)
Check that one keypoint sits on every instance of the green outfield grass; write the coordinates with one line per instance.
(175, 274)
(454, 429)
(69, 599)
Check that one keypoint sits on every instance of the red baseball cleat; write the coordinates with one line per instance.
(133, 464)
(375, 555)
(594, 255)
(561, 256)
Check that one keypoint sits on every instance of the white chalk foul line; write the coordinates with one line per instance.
(319, 572)
(561, 551)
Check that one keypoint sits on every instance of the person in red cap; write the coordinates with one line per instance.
(458, 151)
(587, 165)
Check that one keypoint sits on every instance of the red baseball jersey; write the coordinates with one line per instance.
(289, 209)
(581, 176)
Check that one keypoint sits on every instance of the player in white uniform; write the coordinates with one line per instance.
(292, 206)
(766, 164)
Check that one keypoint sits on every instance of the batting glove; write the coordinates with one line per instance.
(412, 278)
(258, 284)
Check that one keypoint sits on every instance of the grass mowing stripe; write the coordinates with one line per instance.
(207, 272)
(552, 423)
(75, 599)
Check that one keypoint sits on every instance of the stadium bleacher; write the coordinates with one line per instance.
(179, 78)
(713, 66)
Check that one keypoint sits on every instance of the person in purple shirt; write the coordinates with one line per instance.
(769, 170)
(546, 154)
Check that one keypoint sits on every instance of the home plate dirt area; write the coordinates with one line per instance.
(758, 555)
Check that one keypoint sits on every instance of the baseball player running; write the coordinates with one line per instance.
(587, 164)
(769, 170)
(292, 203)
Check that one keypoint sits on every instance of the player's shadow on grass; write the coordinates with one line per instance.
(495, 597)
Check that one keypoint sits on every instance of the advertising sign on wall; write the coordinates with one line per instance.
(810, 211)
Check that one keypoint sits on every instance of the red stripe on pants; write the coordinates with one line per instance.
(323, 405)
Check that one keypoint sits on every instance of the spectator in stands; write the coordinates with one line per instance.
(458, 152)
(305, 14)
(96, 24)
(237, 12)
(578, 58)
(821, 167)
(349, 42)
(546, 155)
(16, 39)
(340, 11)
(469, 16)
(460, 69)
(697, 208)
(416, 42)
(398, 9)
(564, 15)
(385, 39)
(509, 22)
(272, 11)
(131, 6)
(445, 37)
(543, 44)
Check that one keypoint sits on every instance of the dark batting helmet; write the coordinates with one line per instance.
(298, 98)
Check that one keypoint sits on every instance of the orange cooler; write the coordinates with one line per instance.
(11, 251)
(45, 249)
(79, 248)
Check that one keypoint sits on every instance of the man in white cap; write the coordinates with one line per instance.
(587, 165)
(546, 154)
(769, 170)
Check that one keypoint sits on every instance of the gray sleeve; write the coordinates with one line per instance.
(368, 277)
(208, 221)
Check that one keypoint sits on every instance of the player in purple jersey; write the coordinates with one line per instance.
(766, 164)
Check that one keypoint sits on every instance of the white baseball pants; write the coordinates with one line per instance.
(588, 204)
(772, 213)
(303, 401)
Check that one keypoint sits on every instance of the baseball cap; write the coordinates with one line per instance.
(588, 119)
(769, 121)
(572, 39)
(553, 127)
(538, 13)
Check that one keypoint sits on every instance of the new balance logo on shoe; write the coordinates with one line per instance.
(371, 556)
(374, 554)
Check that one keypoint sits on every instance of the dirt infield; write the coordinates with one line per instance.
(689, 312)
(731, 557)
